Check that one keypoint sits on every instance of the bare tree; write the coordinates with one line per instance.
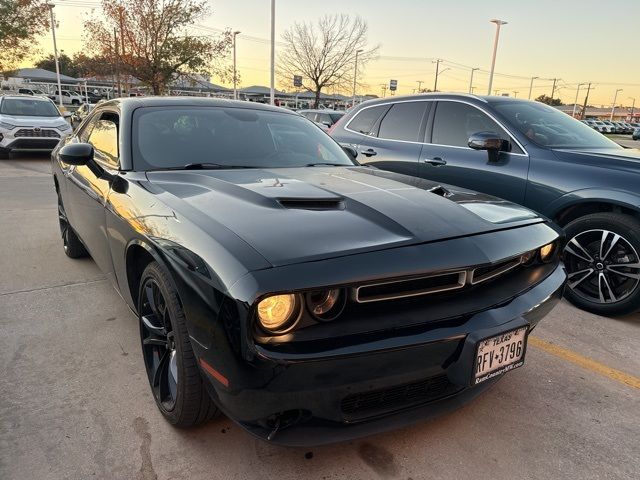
(325, 53)
(150, 39)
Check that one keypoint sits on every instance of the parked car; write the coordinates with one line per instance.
(30, 123)
(324, 118)
(80, 114)
(601, 127)
(636, 134)
(31, 91)
(610, 127)
(527, 153)
(308, 298)
(68, 98)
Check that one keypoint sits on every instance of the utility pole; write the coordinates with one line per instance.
(55, 51)
(384, 90)
(272, 93)
(235, 76)
(531, 86)
(355, 76)
(575, 103)
(586, 99)
(613, 107)
(498, 23)
(471, 80)
(553, 89)
(115, 44)
(633, 105)
(435, 84)
(515, 94)
(419, 82)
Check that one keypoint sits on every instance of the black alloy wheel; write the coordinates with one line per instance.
(603, 265)
(72, 245)
(174, 377)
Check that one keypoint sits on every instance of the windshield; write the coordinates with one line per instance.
(173, 137)
(336, 116)
(549, 127)
(28, 107)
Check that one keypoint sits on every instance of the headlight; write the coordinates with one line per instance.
(528, 257)
(278, 313)
(6, 125)
(325, 305)
(546, 252)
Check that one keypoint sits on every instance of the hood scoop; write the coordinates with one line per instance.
(312, 203)
(440, 190)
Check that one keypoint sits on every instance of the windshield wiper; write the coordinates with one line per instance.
(324, 164)
(205, 166)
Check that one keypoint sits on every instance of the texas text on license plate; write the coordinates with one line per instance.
(499, 354)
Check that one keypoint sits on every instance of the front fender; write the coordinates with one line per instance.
(621, 198)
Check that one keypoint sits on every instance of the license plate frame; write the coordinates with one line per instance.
(486, 352)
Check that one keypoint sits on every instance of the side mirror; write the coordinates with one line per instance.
(490, 142)
(352, 152)
(67, 114)
(76, 154)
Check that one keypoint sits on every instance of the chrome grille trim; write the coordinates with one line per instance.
(32, 132)
(500, 270)
(461, 282)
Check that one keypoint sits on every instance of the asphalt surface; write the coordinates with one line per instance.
(75, 403)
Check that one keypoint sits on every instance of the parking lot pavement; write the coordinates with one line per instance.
(626, 141)
(75, 404)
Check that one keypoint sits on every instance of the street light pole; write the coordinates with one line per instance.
(55, 51)
(235, 77)
(531, 86)
(471, 81)
(575, 103)
(435, 84)
(498, 23)
(435, 88)
(613, 108)
(272, 93)
(355, 76)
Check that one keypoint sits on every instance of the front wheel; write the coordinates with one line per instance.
(72, 245)
(601, 256)
(172, 370)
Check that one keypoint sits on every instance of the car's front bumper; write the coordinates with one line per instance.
(424, 373)
(16, 140)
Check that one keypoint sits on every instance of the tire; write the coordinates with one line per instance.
(4, 154)
(599, 246)
(72, 245)
(174, 377)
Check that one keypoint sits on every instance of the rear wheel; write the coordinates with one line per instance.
(72, 245)
(603, 263)
(172, 370)
(4, 153)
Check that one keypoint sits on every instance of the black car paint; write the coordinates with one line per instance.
(227, 241)
(550, 181)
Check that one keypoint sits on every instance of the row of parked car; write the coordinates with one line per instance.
(607, 126)
(68, 97)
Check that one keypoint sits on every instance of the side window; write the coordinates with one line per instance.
(83, 135)
(455, 122)
(324, 118)
(365, 119)
(403, 121)
(104, 138)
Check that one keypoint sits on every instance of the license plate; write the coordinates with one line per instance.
(499, 354)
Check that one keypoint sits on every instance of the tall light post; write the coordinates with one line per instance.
(435, 84)
(235, 76)
(471, 80)
(355, 77)
(55, 51)
(531, 86)
(498, 23)
(575, 103)
(613, 107)
(435, 87)
(272, 93)
(633, 105)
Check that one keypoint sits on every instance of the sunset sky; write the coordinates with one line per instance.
(577, 41)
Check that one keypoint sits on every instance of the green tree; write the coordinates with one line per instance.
(21, 21)
(556, 102)
(153, 40)
(66, 63)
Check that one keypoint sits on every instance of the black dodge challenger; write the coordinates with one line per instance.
(276, 280)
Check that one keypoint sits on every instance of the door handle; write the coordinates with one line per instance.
(370, 152)
(435, 161)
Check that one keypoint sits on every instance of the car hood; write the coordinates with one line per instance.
(290, 215)
(622, 156)
(27, 121)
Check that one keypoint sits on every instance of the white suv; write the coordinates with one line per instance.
(68, 98)
(30, 123)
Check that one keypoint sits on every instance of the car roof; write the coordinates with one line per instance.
(22, 95)
(320, 110)
(128, 104)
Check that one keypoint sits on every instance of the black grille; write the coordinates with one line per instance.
(411, 287)
(482, 274)
(32, 132)
(364, 404)
(312, 203)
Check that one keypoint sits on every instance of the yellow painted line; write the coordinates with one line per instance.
(585, 362)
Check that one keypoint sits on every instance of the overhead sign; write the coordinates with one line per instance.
(297, 80)
(393, 85)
